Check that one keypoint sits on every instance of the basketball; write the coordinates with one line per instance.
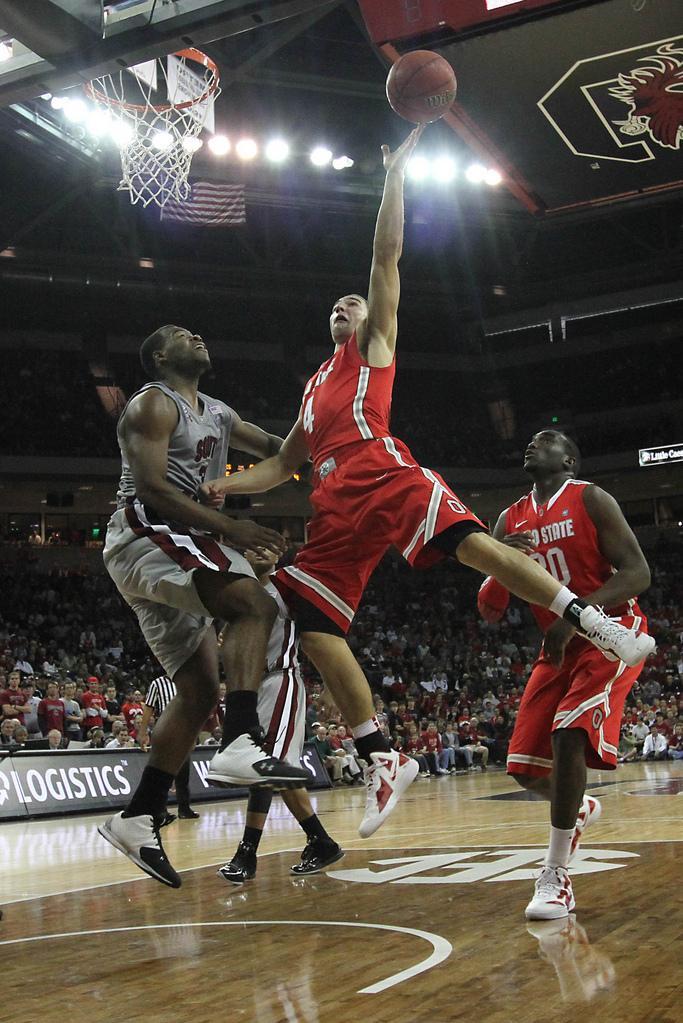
(421, 86)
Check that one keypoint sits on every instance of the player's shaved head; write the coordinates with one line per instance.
(571, 449)
(156, 342)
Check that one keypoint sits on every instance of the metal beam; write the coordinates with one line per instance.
(173, 27)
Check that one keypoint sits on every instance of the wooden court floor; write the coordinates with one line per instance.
(423, 922)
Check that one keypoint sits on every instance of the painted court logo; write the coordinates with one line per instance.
(653, 92)
(477, 865)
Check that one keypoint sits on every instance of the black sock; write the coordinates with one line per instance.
(240, 714)
(151, 795)
(252, 836)
(573, 612)
(315, 832)
(373, 743)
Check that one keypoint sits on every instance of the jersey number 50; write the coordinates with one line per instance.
(554, 562)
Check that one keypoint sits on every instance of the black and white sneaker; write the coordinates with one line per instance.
(616, 642)
(242, 867)
(138, 839)
(244, 761)
(317, 855)
(167, 819)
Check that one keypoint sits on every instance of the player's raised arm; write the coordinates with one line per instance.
(252, 439)
(269, 473)
(377, 337)
(620, 547)
(146, 429)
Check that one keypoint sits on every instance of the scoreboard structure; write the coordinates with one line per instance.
(578, 104)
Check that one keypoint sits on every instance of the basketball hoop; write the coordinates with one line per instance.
(158, 140)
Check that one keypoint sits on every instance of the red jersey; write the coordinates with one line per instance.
(432, 741)
(93, 704)
(53, 712)
(130, 710)
(565, 544)
(13, 698)
(346, 401)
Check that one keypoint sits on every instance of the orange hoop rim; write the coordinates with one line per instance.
(189, 54)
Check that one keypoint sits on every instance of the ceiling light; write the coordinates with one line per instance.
(219, 145)
(418, 168)
(191, 144)
(493, 177)
(75, 110)
(246, 149)
(320, 156)
(277, 150)
(444, 169)
(6, 50)
(162, 140)
(121, 132)
(342, 162)
(58, 102)
(476, 173)
(98, 121)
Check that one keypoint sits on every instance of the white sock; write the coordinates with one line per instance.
(365, 728)
(562, 601)
(558, 850)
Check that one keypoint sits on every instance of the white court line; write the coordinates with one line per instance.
(441, 948)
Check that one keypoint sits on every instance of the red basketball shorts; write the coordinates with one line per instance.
(375, 496)
(587, 692)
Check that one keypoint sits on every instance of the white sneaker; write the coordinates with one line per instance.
(138, 839)
(553, 895)
(387, 778)
(616, 642)
(590, 811)
(244, 761)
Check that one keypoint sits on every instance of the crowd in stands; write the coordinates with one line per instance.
(444, 417)
(447, 685)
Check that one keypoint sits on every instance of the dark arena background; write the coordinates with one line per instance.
(541, 288)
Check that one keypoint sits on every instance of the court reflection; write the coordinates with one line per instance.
(582, 970)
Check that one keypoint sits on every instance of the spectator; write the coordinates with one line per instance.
(31, 716)
(469, 739)
(351, 772)
(94, 704)
(55, 740)
(676, 743)
(132, 707)
(413, 746)
(13, 699)
(113, 709)
(51, 711)
(331, 761)
(7, 730)
(95, 739)
(120, 737)
(73, 714)
(440, 760)
(655, 746)
(20, 735)
(451, 740)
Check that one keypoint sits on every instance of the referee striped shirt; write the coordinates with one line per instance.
(160, 693)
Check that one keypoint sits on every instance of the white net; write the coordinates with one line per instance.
(157, 112)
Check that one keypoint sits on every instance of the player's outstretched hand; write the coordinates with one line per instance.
(398, 160)
(556, 639)
(520, 541)
(243, 534)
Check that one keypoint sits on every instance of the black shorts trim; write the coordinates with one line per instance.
(309, 618)
(450, 539)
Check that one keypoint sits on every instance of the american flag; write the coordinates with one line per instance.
(209, 203)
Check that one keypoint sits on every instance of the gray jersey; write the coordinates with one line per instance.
(197, 448)
(283, 643)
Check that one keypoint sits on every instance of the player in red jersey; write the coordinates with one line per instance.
(571, 711)
(370, 494)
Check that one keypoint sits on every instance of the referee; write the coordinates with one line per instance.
(160, 693)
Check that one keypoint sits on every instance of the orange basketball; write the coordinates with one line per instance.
(421, 86)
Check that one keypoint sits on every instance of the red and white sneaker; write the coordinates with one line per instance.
(553, 895)
(387, 778)
(590, 811)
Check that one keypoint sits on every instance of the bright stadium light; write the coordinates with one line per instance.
(320, 156)
(342, 162)
(277, 150)
(418, 168)
(162, 140)
(75, 110)
(191, 144)
(493, 177)
(6, 50)
(58, 102)
(219, 145)
(98, 121)
(444, 169)
(476, 173)
(246, 149)
(121, 132)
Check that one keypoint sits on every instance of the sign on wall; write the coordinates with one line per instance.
(665, 454)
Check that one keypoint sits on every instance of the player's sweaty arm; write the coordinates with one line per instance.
(146, 429)
(252, 439)
(493, 598)
(377, 337)
(269, 473)
(619, 546)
